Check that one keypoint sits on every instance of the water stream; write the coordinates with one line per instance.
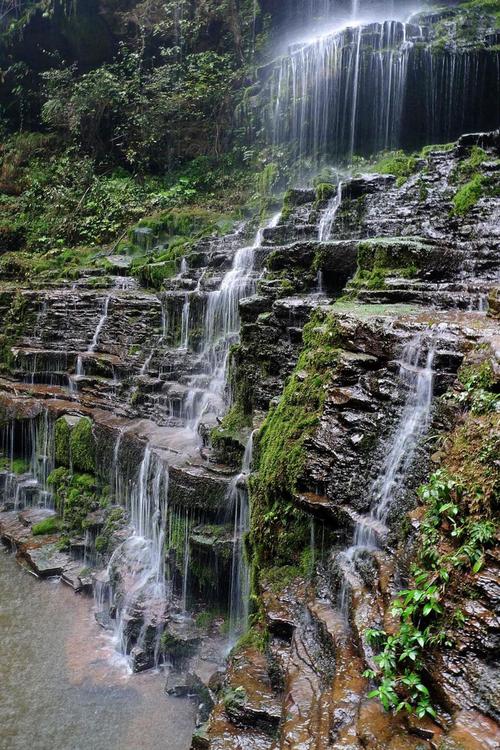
(240, 571)
(80, 367)
(417, 376)
(60, 688)
(329, 214)
(135, 580)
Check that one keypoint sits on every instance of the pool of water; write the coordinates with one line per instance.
(60, 686)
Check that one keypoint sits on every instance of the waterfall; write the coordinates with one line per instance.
(371, 87)
(185, 565)
(185, 323)
(32, 442)
(412, 425)
(136, 570)
(341, 94)
(80, 367)
(328, 216)
(240, 572)
(164, 319)
(221, 329)
(100, 326)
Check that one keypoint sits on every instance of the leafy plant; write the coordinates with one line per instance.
(420, 609)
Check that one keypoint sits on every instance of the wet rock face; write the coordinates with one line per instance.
(315, 660)
(467, 674)
(406, 244)
(115, 356)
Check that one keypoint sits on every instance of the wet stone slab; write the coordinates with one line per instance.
(46, 559)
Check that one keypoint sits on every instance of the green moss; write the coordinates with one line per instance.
(469, 167)
(83, 446)
(62, 432)
(234, 698)
(20, 466)
(278, 578)
(153, 275)
(177, 648)
(288, 205)
(19, 319)
(255, 637)
(51, 525)
(58, 476)
(468, 195)
(427, 150)
(101, 544)
(279, 530)
(325, 191)
(266, 181)
(382, 257)
(229, 438)
(114, 520)
(397, 163)
(75, 496)
(17, 465)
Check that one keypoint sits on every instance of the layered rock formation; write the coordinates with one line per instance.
(111, 401)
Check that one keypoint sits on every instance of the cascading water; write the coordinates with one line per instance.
(412, 425)
(369, 84)
(136, 571)
(80, 368)
(329, 214)
(137, 566)
(342, 93)
(100, 326)
(32, 444)
(221, 329)
(185, 323)
(240, 572)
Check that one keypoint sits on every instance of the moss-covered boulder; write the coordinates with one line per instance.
(83, 447)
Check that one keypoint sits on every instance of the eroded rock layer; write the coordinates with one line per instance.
(119, 468)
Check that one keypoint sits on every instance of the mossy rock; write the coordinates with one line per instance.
(50, 525)
(83, 446)
(230, 437)
(178, 647)
(279, 529)
(388, 253)
(62, 433)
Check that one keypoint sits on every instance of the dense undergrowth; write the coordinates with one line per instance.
(139, 120)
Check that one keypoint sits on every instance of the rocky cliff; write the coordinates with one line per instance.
(100, 381)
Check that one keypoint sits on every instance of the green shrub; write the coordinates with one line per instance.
(51, 525)
(400, 660)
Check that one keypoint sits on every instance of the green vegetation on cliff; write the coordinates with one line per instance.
(460, 522)
(75, 496)
(279, 531)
